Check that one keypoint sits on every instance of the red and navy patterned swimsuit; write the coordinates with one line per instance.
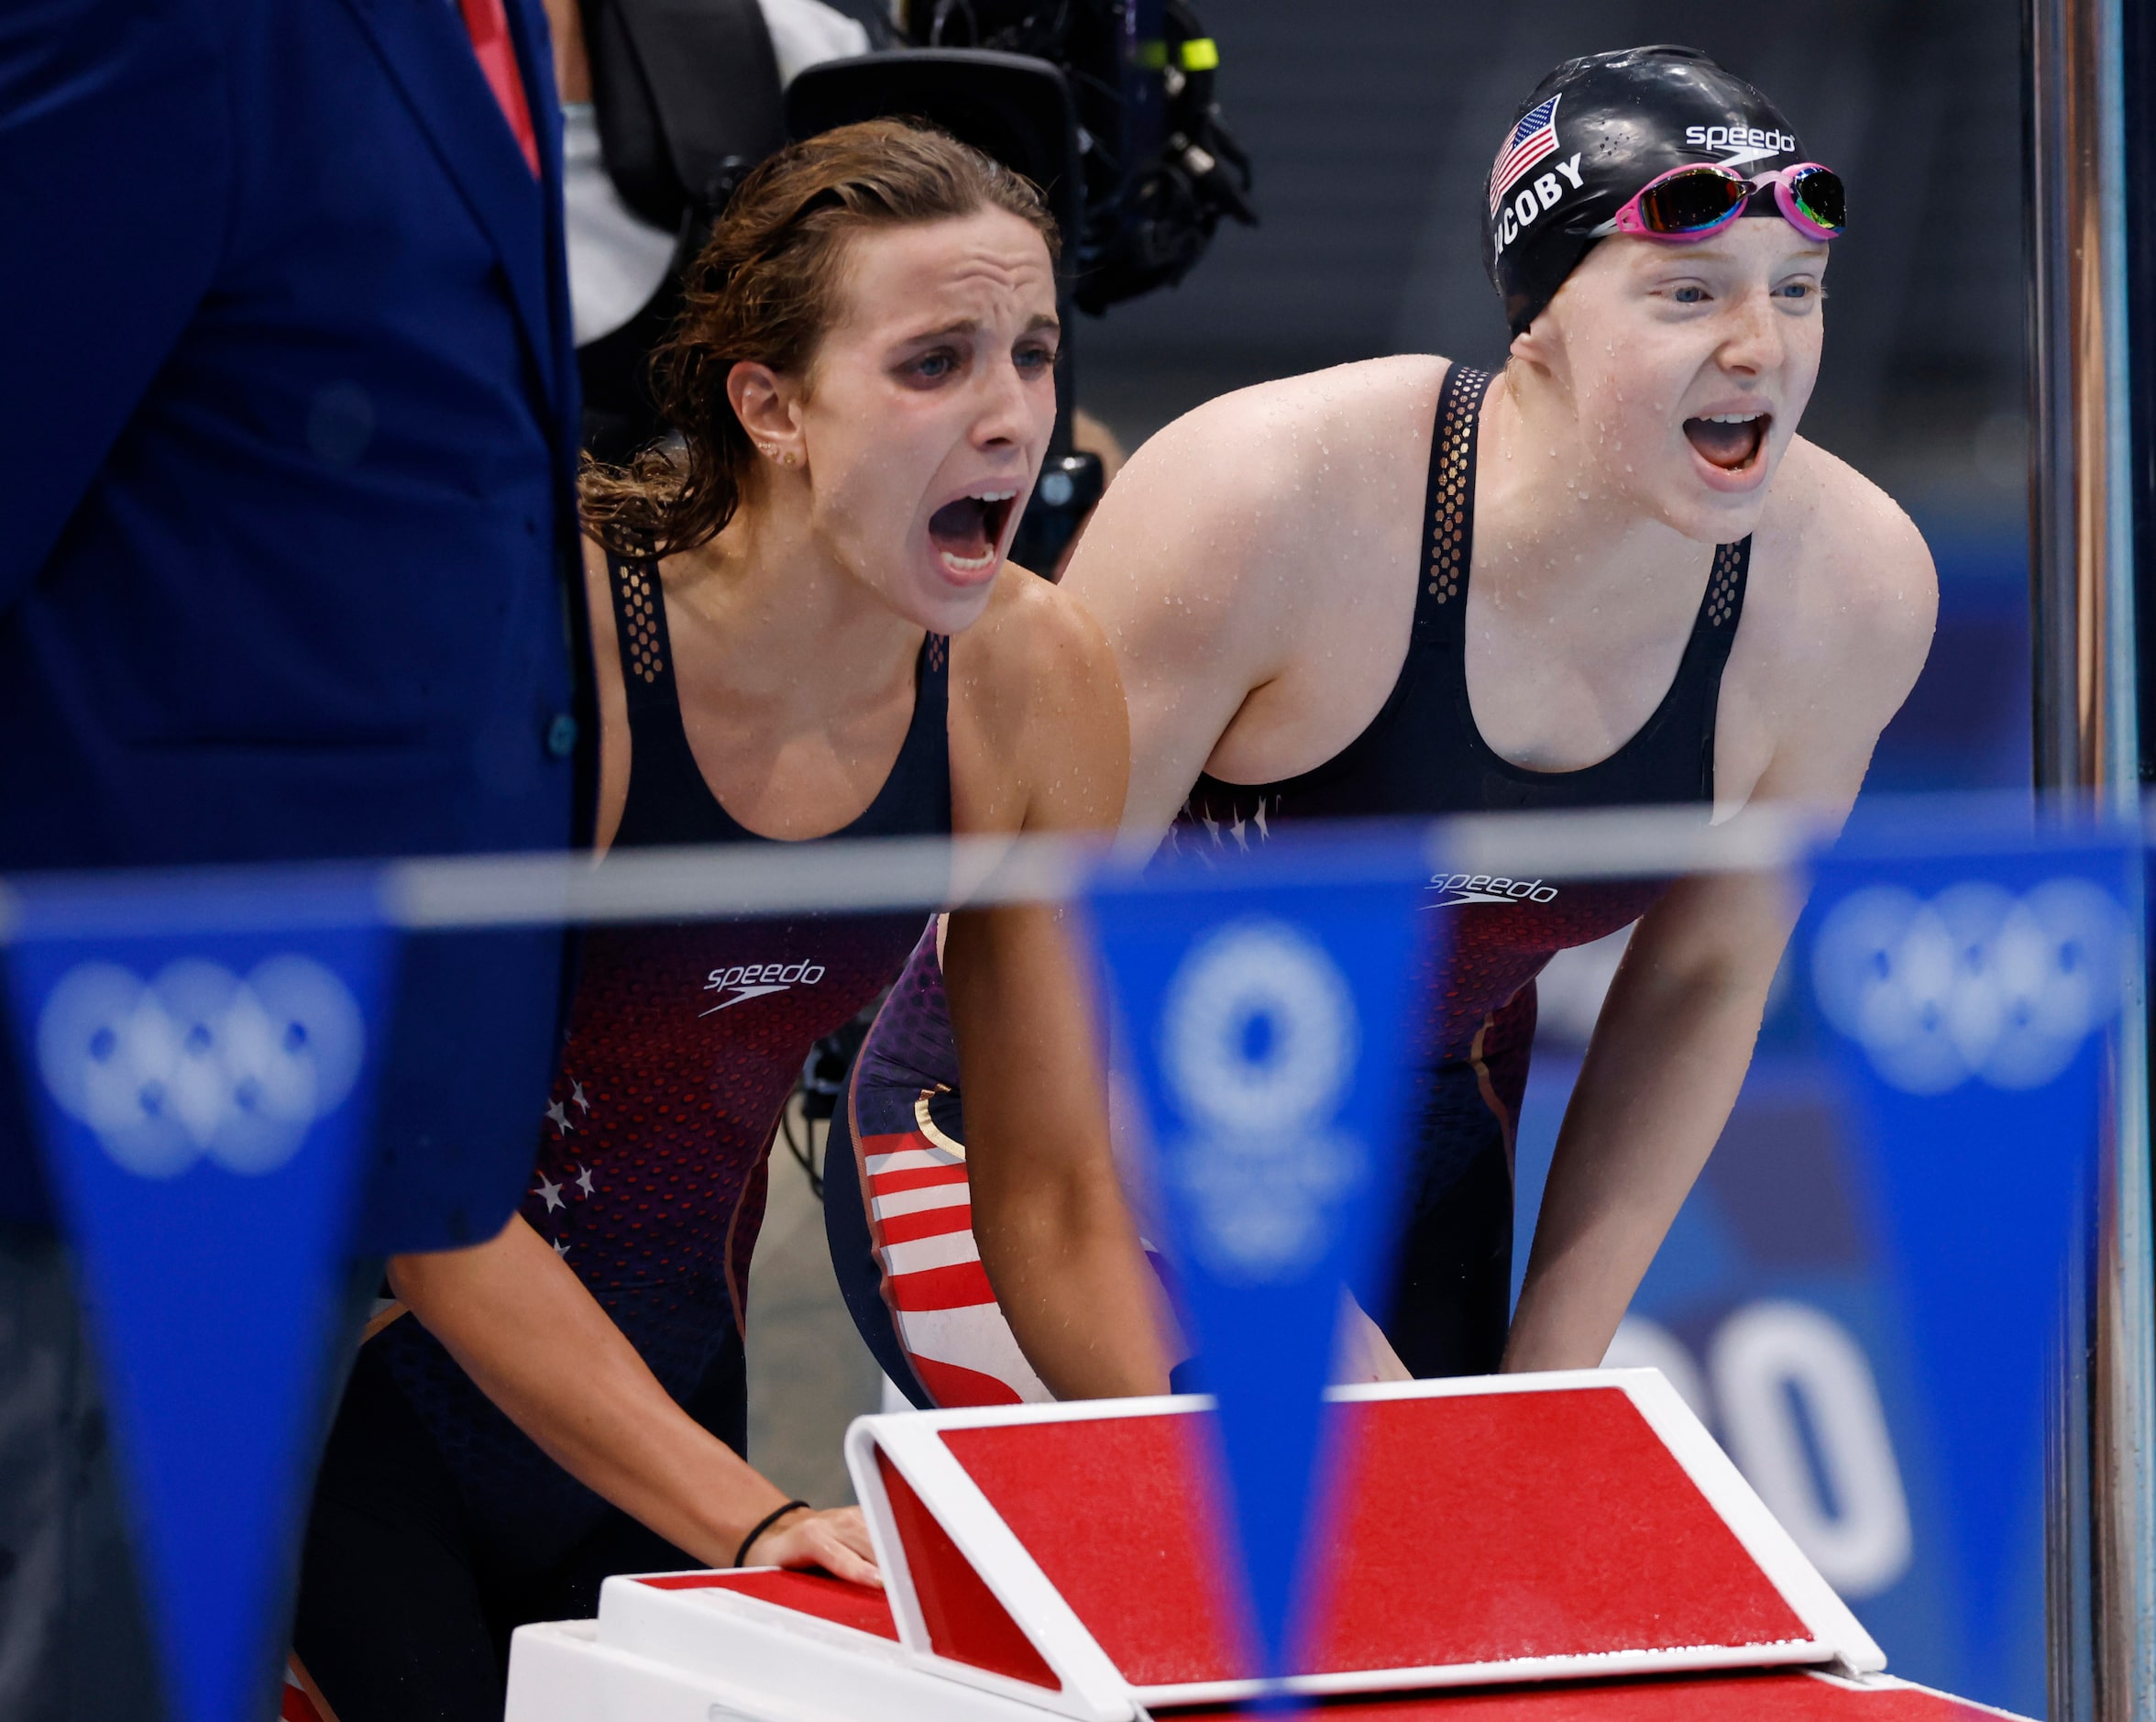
(1423, 756)
(685, 1042)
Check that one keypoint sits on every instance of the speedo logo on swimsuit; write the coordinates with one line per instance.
(753, 980)
(1455, 888)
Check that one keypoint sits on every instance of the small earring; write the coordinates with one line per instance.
(789, 460)
(768, 451)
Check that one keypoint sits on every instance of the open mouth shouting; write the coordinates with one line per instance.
(1735, 443)
(968, 533)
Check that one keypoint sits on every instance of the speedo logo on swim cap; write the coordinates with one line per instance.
(1775, 143)
(1455, 888)
(753, 980)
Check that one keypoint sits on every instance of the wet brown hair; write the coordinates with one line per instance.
(764, 289)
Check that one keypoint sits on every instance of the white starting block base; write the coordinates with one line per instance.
(1563, 1548)
(562, 1674)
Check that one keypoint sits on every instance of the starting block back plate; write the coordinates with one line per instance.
(1507, 1528)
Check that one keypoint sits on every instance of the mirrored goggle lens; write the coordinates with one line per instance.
(1684, 203)
(1817, 192)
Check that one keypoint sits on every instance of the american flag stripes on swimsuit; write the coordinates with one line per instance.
(920, 1225)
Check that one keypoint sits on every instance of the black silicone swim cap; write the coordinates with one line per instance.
(1593, 133)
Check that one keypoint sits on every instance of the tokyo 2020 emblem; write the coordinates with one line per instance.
(1257, 1046)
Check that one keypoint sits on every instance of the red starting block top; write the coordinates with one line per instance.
(1508, 1528)
(1562, 1547)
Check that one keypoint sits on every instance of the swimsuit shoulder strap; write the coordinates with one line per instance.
(1449, 520)
(668, 799)
(916, 797)
(1448, 509)
(1714, 630)
(1723, 601)
(640, 633)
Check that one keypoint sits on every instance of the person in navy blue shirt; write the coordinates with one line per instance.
(285, 571)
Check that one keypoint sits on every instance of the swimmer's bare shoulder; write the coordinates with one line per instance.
(1038, 734)
(1242, 537)
(1838, 620)
(1248, 486)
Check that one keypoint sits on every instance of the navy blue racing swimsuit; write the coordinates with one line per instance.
(439, 1527)
(685, 1042)
(1422, 755)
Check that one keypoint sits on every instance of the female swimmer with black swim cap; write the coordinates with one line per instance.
(1612, 574)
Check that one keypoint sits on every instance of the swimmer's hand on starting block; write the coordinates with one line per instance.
(530, 1334)
(835, 1538)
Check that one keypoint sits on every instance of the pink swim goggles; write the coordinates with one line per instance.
(1695, 203)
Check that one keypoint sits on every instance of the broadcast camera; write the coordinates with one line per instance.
(1158, 168)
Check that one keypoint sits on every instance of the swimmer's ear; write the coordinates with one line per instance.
(1538, 344)
(765, 401)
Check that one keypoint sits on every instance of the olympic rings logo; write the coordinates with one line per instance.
(199, 1064)
(1258, 1044)
(1974, 983)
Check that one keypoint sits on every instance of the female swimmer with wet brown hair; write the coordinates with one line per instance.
(804, 627)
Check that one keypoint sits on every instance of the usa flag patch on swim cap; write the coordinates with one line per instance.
(1533, 138)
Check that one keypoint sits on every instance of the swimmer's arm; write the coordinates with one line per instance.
(1040, 745)
(1183, 566)
(1661, 1074)
(523, 1327)
(1675, 1034)
(1054, 1231)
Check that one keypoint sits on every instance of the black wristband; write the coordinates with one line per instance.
(741, 1554)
